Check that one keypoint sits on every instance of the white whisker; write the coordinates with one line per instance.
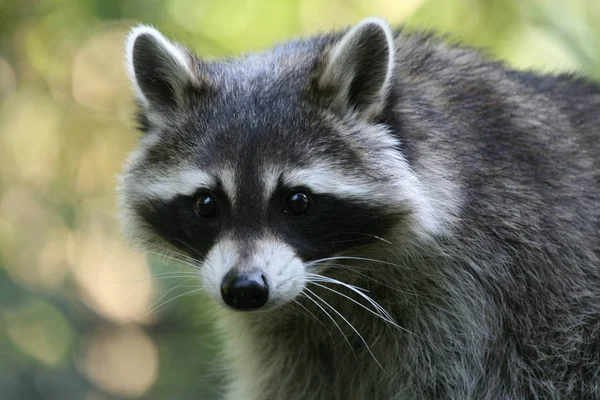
(350, 325)
(382, 312)
(189, 264)
(331, 318)
(156, 308)
(321, 260)
(158, 277)
(166, 250)
(313, 315)
(353, 269)
(380, 315)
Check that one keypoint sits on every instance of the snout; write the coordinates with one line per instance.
(245, 290)
(266, 275)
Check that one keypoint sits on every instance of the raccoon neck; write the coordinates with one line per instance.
(331, 343)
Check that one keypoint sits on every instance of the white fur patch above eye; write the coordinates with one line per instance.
(433, 203)
(227, 179)
(168, 185)
(327, 179)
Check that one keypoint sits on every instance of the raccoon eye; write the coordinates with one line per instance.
(206, 206)
(297, 203)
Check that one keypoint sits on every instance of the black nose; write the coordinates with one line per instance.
(244, 290)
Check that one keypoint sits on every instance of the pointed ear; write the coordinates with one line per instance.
(163, 74)
(359, 68)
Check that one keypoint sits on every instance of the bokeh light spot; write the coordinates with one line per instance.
(122, 361)
(39, 330)
(8, 79)
(114, 280)
(30, 139)
(33, 240)
(99, 80)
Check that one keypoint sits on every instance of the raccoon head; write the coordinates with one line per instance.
(262, 166)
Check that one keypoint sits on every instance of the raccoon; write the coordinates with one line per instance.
(378, 214)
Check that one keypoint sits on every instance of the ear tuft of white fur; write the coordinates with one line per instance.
(176, 61)
(389, 38)
(366, 51)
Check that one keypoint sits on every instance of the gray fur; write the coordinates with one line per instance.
(490, 179)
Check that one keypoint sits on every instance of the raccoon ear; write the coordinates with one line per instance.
(162, 73)
(359, 68)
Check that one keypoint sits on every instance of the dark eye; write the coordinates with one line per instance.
(206, 205)
(297, 203)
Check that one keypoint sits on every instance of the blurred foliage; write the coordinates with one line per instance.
(82, 316)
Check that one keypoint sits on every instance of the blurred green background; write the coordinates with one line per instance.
(82, 316)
